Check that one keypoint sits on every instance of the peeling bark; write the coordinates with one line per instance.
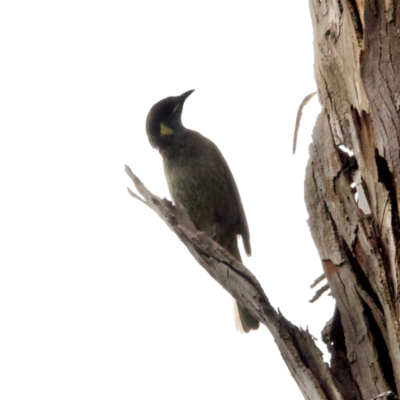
(357, 54)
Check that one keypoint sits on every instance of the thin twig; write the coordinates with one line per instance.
(298, 118)
(134, 195)
(319, 293)
(318, 280)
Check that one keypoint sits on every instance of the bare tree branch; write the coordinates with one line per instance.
(297, 346)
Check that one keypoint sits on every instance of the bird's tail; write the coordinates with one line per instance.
(244, 321)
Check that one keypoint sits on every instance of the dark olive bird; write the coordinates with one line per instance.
(200, 181)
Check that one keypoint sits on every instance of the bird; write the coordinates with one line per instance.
(200, 183)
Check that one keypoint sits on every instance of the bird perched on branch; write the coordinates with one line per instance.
(200, 182)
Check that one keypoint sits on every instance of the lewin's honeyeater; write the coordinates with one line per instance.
(200, 181)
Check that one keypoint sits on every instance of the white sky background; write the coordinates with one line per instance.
(98, 299)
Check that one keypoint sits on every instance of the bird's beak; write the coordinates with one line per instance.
(185, 95)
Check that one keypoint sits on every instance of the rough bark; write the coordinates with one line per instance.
(352, 188)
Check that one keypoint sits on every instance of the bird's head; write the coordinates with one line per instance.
(164, 119)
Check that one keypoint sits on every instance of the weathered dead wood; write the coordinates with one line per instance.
(357, 56)
(297, 346)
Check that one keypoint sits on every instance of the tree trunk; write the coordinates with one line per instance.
(352, 188)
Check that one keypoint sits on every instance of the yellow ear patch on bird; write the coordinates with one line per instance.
(165, 129)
